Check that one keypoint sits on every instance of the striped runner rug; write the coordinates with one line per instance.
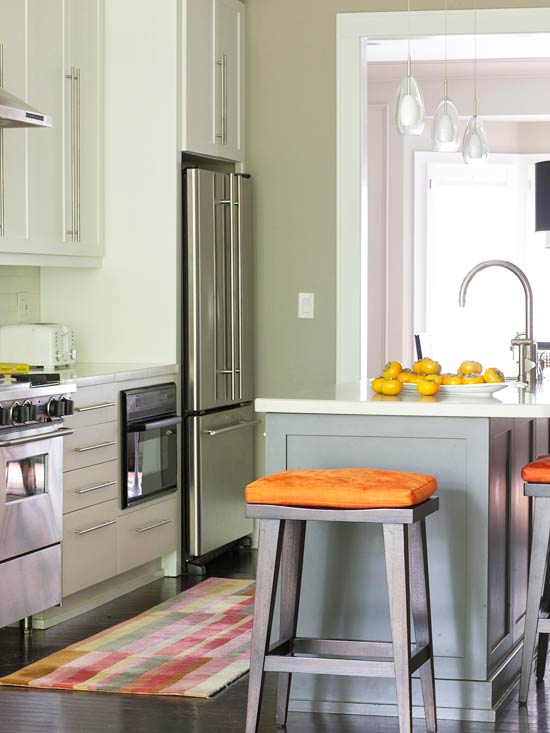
(192, 645)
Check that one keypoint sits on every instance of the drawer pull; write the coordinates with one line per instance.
(96, 526)
(95, 447)
(153, 526)
(96, 407)
(95, 488)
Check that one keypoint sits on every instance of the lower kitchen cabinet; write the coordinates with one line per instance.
(90, 552)
(146, 533)
(90, 485)
(100, 539)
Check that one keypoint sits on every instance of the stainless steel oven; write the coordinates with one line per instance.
(31, 497)
(149, 442)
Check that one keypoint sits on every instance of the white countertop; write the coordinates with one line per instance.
(86, 374)
(357, 398)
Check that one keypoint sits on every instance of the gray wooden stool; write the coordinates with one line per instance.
(537, 618)
(281, 546)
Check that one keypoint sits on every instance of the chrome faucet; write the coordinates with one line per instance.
(523, 341)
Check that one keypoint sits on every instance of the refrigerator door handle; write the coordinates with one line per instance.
(232, 275)
(229, 428)
(240, 285)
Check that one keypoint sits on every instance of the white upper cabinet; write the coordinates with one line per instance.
(51, 190)
(213, 78)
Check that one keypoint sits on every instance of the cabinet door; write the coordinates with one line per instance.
(229, 84)
(45, 145)
(199, 133)
(83, 190)
(13, 142)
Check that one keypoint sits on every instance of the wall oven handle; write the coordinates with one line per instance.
(95, 488)
(164, 422)
(61, 433)
(238, 426)
(107, 444)
(95, 527)
(153, 526)
(96, 407)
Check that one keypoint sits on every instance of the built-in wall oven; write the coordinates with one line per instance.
(149, 442)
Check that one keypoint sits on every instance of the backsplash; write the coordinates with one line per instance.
(19, 294)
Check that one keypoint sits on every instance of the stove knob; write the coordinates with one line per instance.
(5, 418)
(52, 407)
(15, 413)
(69, 405)
(33, 410)
(25, 412)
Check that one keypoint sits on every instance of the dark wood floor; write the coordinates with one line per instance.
(44, 711)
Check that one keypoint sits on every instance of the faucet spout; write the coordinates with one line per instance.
(522, 277)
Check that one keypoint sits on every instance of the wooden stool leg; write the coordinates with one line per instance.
(269, 554)
(291, 578)
(537, 573)
(397, 570)
(543, 638)
(420, 601)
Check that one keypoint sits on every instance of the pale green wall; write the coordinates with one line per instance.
(291, 151)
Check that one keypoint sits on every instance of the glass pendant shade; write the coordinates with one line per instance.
(445, 131)
(474, 145)
(409, 108)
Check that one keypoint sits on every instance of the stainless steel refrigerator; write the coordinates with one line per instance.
(217, 386)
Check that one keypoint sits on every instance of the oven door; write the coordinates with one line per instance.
(150, 459)
(31, 492)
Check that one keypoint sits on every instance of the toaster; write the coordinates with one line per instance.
(38, 344)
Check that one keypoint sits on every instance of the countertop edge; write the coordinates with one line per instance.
(122, 373)
(493, 409)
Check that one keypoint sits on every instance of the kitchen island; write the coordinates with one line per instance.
(478, 542)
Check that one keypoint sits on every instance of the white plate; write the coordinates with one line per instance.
(477, 390)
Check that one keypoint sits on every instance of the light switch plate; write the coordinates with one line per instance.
(306, 305)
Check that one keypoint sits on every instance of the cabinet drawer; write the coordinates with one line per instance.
(91, 485)
(147, 534)
(89, 546)
(90, 446)
(94, 405)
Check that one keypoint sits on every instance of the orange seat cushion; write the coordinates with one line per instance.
(342, 488)
(537, 472)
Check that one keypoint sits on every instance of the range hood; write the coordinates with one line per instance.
(16, 113)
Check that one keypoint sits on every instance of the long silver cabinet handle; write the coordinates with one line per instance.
(238, 426)
(95, 488)
(61, 433)
(95, 447)
(222, 62)
(96, 407)
(153, 526)
(74, 77)
(95, 527)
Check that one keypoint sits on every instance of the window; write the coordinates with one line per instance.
(464, 215)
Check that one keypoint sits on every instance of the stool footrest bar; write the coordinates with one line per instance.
(375, 657)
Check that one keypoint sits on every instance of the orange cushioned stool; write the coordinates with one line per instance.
(400, 501)
(536, 476)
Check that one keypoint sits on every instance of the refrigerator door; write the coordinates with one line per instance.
(220, 465)
(217, 302)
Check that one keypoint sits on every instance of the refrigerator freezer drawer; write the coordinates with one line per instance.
(221, 463)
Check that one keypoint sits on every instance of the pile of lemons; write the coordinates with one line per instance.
(427, 375)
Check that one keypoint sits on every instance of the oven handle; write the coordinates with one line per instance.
(142, 427)
(61, 433)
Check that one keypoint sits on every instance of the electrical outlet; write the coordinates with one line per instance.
(26, 307)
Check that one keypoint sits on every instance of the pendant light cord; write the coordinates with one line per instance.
(408, 46)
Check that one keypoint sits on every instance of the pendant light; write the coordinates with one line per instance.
(474, 145)
(409, 105)
(445, 132)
